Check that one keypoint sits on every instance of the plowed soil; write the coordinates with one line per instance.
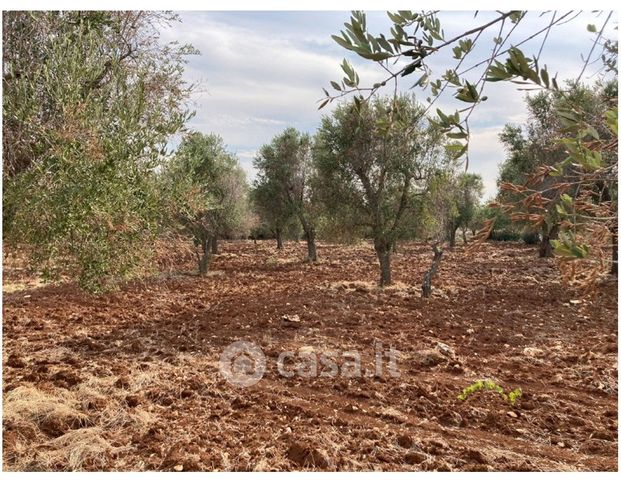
(130, 380)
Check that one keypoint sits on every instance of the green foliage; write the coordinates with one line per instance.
(504, 235)
(518, 66)
(413, 38)
(566, 246)
(451, 203)
(372, 160)
(488, 385)
(284, 184)
(530, 237)
(88, 108)
(207, 191)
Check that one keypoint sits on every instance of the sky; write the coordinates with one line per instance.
(261, 72)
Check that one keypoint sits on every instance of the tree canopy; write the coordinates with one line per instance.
(372, 160)
(90, 101)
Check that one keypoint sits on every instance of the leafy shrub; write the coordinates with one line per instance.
(504, 235)
(530, 237)
(487, 385)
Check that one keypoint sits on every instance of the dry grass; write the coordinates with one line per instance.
(55, 424)
(367, 287)
(54, 432)
(75, 450)
(29, 408)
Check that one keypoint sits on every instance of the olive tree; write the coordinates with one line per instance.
(271, 207)
(451, 203)
(372, 160)
(90, 100)
(535, 145)
(285, 166)
(208, 192)
(468, 190)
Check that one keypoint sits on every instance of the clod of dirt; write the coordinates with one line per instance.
(475, 455)
(392, 414)
(122, 383)
(603, 435)
(307, 456)
(291, 321)
(132, 400)
(66, 379)
(186, 393)
(415, 457)
(532, 351)
(405, 441)
(180, 458)
(429, 358)
(351, 408)
(450, 418)
(445, 350)
(96, 403)
(15, 361)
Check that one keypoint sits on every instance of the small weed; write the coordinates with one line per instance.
(487, 385)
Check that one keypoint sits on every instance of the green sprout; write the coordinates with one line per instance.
(487, 385)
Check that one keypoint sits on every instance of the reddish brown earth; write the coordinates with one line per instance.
(130, 380)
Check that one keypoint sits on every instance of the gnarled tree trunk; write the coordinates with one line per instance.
(452, 236)
(545, 247)
(205, 256)
(214, 245)
(382, 249)
(279, 244)
(435, 264)
(309, 233)
(312, 248)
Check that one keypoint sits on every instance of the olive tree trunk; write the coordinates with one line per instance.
(312, 247)
(435, 265)
(214, 245)
(279, 244)
(382, 249)
(452, 236)
(545, 247)
(205, 256)
(309, 233)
